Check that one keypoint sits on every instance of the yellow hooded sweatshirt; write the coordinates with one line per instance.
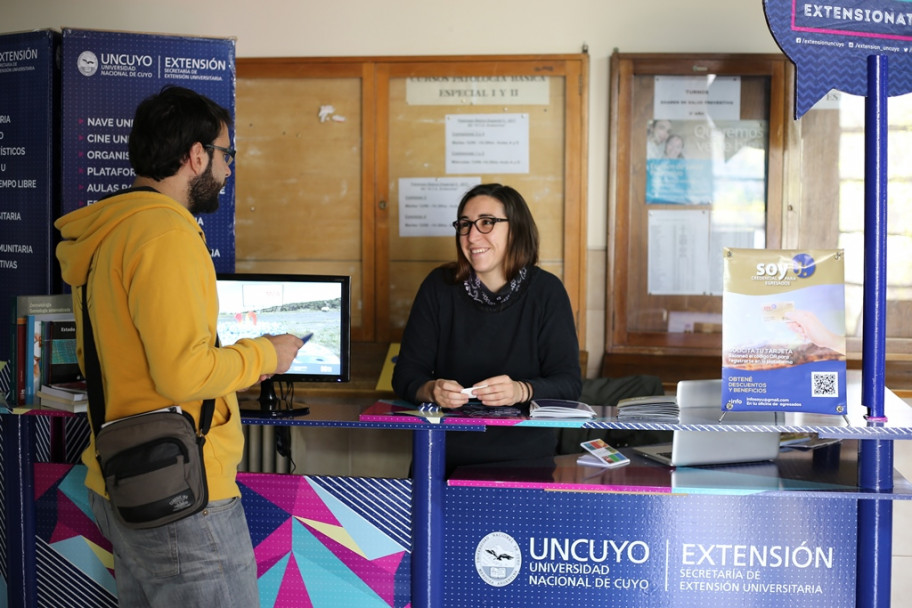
(153, 304)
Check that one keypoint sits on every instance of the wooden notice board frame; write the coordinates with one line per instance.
(323, 142)
(637, 319)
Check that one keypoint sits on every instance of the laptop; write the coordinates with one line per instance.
(700, 402)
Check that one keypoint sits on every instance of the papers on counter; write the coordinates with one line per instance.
(659, 408)
(559, 408)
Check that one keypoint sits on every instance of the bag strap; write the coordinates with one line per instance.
(95, 388)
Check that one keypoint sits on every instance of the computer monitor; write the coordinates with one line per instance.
(313, 307)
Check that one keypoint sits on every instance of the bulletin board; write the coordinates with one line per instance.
(326, 145)
(673, 208)
(298, 173)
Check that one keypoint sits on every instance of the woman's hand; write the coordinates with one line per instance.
(493, 392)
(500, 391)
(445, 393)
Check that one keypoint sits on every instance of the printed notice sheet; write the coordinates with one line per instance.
(685, 247)
(678, 254)
(487, 143)
(428, 205)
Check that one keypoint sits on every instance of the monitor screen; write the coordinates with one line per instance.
(315, 307)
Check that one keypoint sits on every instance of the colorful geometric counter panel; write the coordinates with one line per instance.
(327, 541)
(319, 541)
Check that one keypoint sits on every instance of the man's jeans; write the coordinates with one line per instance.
(203, 560)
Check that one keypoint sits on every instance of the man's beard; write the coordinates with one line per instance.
(204, 193)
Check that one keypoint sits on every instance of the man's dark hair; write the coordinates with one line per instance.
(522, 242)
(166, 126)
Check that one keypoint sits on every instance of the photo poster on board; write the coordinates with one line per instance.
(679, 166)
(679, 146)
(28, 161)
(783, 331)
(105, 75)
(701, 162)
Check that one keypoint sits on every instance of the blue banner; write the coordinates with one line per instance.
(104, 77)
(568, 549)
(28, 145)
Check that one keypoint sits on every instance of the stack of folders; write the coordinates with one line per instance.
(69, 396)
(654, 408)
(559, 408)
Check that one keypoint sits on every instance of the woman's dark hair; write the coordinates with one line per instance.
(165, 127)
(522, 242)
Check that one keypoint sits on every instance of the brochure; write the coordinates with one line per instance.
(601, 454)
(783, 331)
(559, 408)
(659, 408)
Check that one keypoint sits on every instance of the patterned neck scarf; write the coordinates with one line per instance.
(484, 296)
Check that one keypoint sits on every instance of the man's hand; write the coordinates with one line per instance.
(286, 347)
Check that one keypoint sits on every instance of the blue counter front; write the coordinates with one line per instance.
(514, 548)
(552, 534)
(558, 534)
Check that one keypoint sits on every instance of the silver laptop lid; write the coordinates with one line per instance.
(699, 393)
(700, 402)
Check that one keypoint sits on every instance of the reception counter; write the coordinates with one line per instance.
(553, 533)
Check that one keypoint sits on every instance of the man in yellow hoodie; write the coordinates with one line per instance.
(153, 306)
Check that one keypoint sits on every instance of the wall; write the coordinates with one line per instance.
(432, 27)
(270, 28)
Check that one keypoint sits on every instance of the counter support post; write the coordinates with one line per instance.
(20, 511)
(875, 459)
(428, 468)
(875, 526)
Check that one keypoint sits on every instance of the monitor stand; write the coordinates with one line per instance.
(269, 404)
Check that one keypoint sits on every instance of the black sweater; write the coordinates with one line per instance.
(531, 337)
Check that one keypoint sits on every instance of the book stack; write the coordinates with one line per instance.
(653, 408)
(67, 396)
(44, 345)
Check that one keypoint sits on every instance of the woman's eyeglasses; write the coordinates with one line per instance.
(484, 225)
(228, 152)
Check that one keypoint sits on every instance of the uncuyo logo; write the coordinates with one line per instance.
(497, 559)
(87, 63)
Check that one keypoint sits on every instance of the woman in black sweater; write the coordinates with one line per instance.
(492, 320)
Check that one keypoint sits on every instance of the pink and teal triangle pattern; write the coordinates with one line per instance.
(64, 521)
(313, 551)
(62, 500)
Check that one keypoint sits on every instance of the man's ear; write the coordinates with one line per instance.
(197, 158)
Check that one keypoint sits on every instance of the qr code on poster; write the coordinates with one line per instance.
(824, 384)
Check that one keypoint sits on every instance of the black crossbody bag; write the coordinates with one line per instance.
(152, 463)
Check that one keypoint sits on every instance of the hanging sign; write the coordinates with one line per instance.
(829, 43)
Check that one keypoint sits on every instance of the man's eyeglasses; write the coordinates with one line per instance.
(484, 225)
(228, 152)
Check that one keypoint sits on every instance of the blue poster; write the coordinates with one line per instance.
(703, 162)
(679, 181)
(104, 77)
(570, 549)
(28, 159)
(829, 44)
